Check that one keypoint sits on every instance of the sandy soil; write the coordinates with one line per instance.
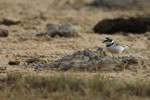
(35, 14)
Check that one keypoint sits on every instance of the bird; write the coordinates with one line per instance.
(114, 48)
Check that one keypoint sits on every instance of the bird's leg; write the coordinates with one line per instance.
(113, 55)
(118, 55)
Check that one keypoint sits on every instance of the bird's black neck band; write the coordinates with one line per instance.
(108, 45)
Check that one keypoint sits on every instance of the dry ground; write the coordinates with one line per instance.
(35, 14)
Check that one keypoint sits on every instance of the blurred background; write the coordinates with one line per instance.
(83, 13)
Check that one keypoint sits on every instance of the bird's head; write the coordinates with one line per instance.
(107, 40)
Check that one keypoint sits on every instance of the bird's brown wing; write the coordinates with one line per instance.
(117, 44)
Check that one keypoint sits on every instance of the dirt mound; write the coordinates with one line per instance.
(94, 60)
(54, 30)
(131, 25)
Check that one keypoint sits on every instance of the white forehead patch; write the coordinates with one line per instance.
(105, 39)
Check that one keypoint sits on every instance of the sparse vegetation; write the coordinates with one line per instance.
(27, 52)
(62, 87)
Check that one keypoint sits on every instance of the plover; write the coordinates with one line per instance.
(114, 48)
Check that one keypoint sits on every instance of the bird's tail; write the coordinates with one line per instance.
(126, 47)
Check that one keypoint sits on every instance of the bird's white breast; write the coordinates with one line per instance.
(115, 49)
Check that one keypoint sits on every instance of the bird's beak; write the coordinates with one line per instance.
(104, 41)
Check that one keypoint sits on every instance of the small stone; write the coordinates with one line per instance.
(38, 66)
(4, 33)
(9, 22)
(52, 27)
(67, 57)
(31, 60)
(2, 68)
(131, 59)
(13, 62)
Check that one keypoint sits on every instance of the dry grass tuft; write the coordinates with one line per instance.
(63, 87)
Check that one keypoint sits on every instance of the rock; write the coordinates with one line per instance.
(9, 22)
(68, 31)
(13, 62)
(2, 68)
(127, 61)
(137, 25)
(4, 33)
(62, 31)
(93, 60)
(38, 66)
(31, 60)
(53, 28)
